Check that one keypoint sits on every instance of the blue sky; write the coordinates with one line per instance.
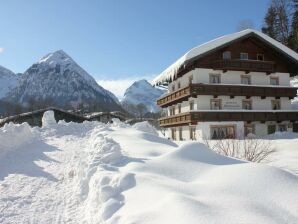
(116, 39)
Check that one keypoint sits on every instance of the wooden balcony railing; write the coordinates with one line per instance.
(221, 115)
(194, 90)
(245, 65)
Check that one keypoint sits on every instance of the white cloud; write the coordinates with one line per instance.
(1, 50)
(118, 86)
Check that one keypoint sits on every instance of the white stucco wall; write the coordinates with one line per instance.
(201, 75)
(203, 129)
(203, 103)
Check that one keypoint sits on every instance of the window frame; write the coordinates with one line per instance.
(245, 101)
(179, 108)
(173, 88)
(190, 79)
(268, 130)
(218, 100)
(273, 103)
(259, 54)
(226, 53)
(214, 75)
(191, 105)
(173, 133)
(282, 125)
(244, 53)
(274, 78)
(192, 133)
(212, 127)
(180, 134)
(252, 126)
(246, 76)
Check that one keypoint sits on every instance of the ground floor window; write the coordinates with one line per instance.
(220, 132)
(173, 130)
(249, 129)
(282, 127)
(271, 129)
(192, 133)
(180, 134)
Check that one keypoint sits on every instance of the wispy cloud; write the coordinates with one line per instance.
(118, 86)
(1, 50)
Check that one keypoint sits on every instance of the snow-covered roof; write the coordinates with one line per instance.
(171, 71)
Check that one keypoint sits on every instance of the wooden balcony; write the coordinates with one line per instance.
(221, 115)
(244, 65)
(194, 90)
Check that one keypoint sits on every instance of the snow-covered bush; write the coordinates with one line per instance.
(250, 149)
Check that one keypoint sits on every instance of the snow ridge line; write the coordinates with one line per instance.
(99, 183)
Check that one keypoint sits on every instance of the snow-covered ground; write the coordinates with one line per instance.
(115, 173)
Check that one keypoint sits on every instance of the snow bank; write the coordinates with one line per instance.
(15, 137)
(114, 173)
(145, 127)
(193, 183)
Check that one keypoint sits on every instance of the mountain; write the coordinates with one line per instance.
(8, 80)
(142, 92)
(58, 79)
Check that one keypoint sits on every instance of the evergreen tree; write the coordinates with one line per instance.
(281, 22)
(270, 20)
(293, 40)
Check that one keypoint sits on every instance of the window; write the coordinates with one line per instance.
(221, 132)
(191, 105)
(275, 104)
(173, 133)
(180, 134)
(172, 111)
(226, 55)
(260, 57)
(215, 104)
(282, 127)
(173, 88)
(179, 108)
(179, 85)
(246, 105)
(244, 56)
(192, 133)
(214, 78)
(190, 79)
(249, 129)
(274, 81)
(271, 129)
(245, 79)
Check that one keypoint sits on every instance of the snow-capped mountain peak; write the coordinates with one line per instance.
(56, 57)
(58, 78)
(142, 92)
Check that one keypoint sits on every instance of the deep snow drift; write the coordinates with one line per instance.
(115, 173)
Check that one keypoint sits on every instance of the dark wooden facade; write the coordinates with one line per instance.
(194, 90)
(274, 59)
(35, 118)
(192, 118)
